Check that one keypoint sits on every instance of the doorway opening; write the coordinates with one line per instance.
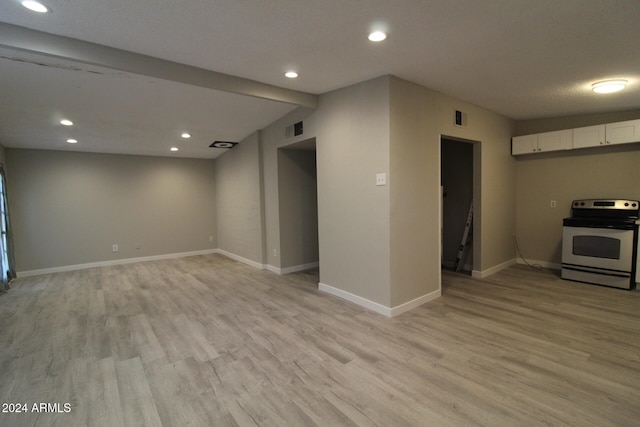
(298, 208)
(459, 161)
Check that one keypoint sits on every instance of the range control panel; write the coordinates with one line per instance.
(606, 204)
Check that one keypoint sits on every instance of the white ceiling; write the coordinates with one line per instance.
(521, 58)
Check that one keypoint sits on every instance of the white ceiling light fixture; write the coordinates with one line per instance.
(72, 141)
(173, 148)
(291, 74)
(35, 6)
(609, 86)
(186, 135)
(377, 36)
(66, 122)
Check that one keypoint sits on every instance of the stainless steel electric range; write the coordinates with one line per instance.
(600, 242)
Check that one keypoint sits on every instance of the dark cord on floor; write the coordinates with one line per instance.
(535, 266)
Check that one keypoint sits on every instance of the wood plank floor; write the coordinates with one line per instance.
(207, 341)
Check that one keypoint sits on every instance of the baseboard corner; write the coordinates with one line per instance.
(477, 274)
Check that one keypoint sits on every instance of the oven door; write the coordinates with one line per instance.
(598, 255)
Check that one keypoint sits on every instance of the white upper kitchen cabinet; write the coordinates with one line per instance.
(524, 144)
(623, 132)
(554, 141)
(590, 136)
(542, 142)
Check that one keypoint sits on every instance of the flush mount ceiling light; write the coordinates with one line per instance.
(72, 141)
(291, 74)
(66, 122)
(609, 86)
(377, 36)
(35, 6)
(173, 148)
(186, 135)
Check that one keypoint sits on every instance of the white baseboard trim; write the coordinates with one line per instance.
(294, 269)
(543, 264)
(493, 270)
(269, 267)
(374, 306)
(410, 305)
(113, 262)
(363, 302)
(241, 259)
(272, 268)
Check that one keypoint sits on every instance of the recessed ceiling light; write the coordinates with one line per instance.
(173, 148)
(72, 141)
(186, 135)
(377, 36)
(291, 74)
(609, 86)
(66, 122)
(35, 6)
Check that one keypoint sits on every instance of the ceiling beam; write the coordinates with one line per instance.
(37, 42)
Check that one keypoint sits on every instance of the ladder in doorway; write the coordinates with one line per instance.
(467, 238)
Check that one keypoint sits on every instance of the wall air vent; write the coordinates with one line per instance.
(459, 118)
(223, 144)
(294, 130)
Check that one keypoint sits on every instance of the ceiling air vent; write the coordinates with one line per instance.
(223, 144)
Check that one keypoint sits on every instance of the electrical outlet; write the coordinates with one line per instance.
(211, 238)
(115, 248)
(275, 252)
(552, 204)
(381, 179)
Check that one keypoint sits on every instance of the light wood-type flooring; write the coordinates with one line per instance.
(207, 341)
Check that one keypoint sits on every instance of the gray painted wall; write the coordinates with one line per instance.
(419, 117)
(70, 208)
(382, 243)
(272, 138)
(599, 172)
(353, 213)
(238, 204)
(298, 198)
(548, 124)
(351, 127)
(494, 194)
(414, 182)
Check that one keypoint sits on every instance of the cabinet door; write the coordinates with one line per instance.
(590, 136)
(623, 132)
(524, 144)
(553, 141)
